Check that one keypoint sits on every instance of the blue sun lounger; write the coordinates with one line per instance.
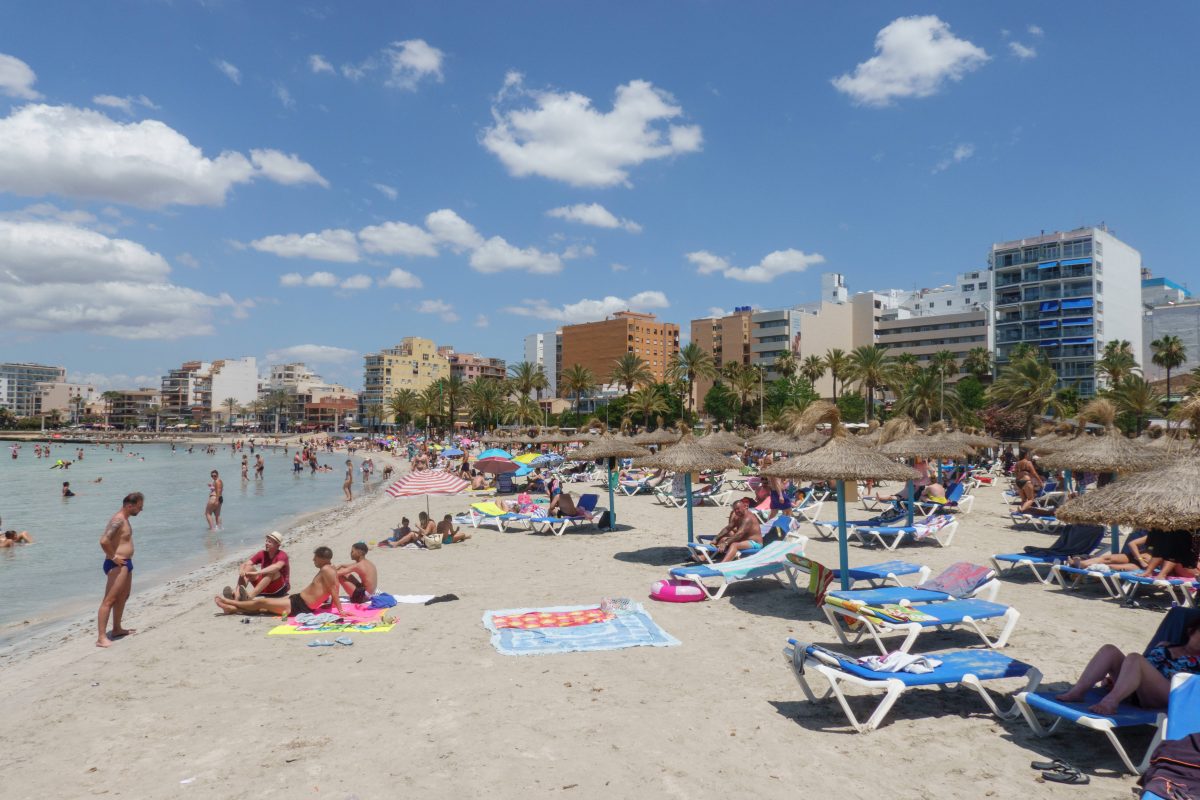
(1183, 719)
(959, 667)
(559, 525)
(768, 562)
(937, 527)
(703, 550)
(1175, 588)
(853, 620)
(1077, 540)
(1071, 578)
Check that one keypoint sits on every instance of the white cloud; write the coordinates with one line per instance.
(562, 137)
(398, 238)
(318, 64)
(387, 191)
(773, 265)
(312, 354)
(1022, 51)
(17, 78)
(497, 255)
(57, 277)
(83, 153)
(1034, 30)
(443, 309)
(42, 212)
(401, 279)
(481, 321)
(595, 215)
(615, 267)
(914, 57)
(356, 282)
(410, 61)
(578, 251)
(328, 245)
(960, 154)
(717, 311)
(125, 103)
(286, 169)
(321, 280)
(229, 70)
(285, 97)
(448, 227)
(590, 310)
(188, 260)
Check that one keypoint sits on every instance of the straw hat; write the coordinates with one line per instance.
(276, 537)
(689, 454)
(839, 458)
(1109, 452)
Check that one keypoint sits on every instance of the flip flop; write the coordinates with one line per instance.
(1057, 763)
(345, 640)
(320, 643)
(1066, 774)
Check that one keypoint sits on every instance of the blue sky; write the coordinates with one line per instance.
(186, 180)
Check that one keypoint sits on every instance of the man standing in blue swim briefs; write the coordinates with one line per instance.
(117, 544)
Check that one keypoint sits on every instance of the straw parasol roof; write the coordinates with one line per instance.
(874, 431)
(687, 455)
(608, 446)
(839, 458)
(554, 436)
(775, 441)
(898, 427)
(1109, 452)
(660, 436)
(1156, 498)
(723, 442)
(924, 446)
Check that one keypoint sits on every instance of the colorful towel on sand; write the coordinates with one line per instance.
(553, 619)
(355, 618)
(633, 629)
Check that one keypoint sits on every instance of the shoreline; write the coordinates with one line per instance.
(20, 641)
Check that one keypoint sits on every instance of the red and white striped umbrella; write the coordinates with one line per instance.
(427, 481)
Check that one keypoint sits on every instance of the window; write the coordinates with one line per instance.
(968, 287)
(983, 284)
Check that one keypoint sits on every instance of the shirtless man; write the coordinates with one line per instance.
(258, 467)
(14, 538)
(346, 484)
(324, 586)
(736, 514)
(451, 534)
(359, 578)
(117, 544)
(746, 537)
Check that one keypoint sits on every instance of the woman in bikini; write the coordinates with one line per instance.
(216, 496)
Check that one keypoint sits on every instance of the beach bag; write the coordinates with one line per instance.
(603, 520)
(1174, 771)
(433, 541)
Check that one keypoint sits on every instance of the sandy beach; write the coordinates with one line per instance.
(200, 704)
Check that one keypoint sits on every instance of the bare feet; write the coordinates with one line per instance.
(1071, 696)
(104, 642)
(118, 633)
(224, 605)
(1104, 708)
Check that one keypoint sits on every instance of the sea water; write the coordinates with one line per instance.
(61, 571)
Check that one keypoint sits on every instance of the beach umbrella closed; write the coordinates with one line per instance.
(686, 456)
(427, 482)
(838, 459)
(607, 448)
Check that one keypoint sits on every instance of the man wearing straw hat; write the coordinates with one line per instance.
(267, 573)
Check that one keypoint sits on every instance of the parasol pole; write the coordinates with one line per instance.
(612, 497)
(687, 488)
(908, 484)
(1115, 531)
(1067, 481)
(843, 546)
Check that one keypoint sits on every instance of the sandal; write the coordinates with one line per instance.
(344, 640)
(1066, 774)
(320, 643)
(1057, 763)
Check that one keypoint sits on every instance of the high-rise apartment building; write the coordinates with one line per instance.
(925, 336)
(18, 385)
(1169, 310)
(1067, 294)
(70, 400)
(726, 339)
(135, 408)
(413, 364)
(198, 389)
(597, 345)
(545, 350)
(773, 333)
(469, 367)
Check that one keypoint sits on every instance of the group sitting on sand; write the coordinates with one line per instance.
(406, 535)
(359, 579)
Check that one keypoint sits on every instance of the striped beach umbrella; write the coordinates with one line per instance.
(427, 481)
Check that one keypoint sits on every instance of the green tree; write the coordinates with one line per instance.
(1169, 353)
(813, 369)
(231, 405)
(578, 380)
(852, 407)
(1065, 402)
(485, 400)
(1025, 386)
(970, 393)
(153, 411)
(906, 365)
(785, 364)
(923, 397)
(691, 362)
(978, 362)
(402, 405)
(525, 410)
(871, 368)
(631, 370)
(277, 403)
(1117, 363)
(110, 397)
(720, 403)
(649, 401)
(745, 386)
(837, 362)
(431, 404)
(1135, 396)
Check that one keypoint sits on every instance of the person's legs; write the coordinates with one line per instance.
(1106, 662)
(258, 605)
(735, 550)
(1154, 563)
(255, 589)
(118, 609)
(114, 584)
(1136, 675)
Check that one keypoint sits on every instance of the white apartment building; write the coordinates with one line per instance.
(545, 350)
(18, 390)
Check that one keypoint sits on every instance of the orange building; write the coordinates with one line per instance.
(597, 345)
(726, 339)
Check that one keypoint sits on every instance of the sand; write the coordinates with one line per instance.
(202, 705)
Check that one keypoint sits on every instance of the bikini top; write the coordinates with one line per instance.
(1160, 658)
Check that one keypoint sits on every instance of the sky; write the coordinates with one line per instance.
(314, 181)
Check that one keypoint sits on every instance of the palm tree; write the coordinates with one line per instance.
(578, 380)
(906, 365)
(154, 411)
(691, 362)
(745, 385)
(630, 370)
(785, 364)
(648, 401)
(276, 401)
(431, 404)
(1117, 363)
(1169, 353)
(485, 400)
(870, 368)
(231, 404)
(1136, 396)
(837, 362)
(402, 405)
(374, 415)
(1022, 350)
(453, 390)
(525, 410)
(923, 397)
(942, 362)
(1025, 386)
(978, 362)
(524, 377)
(813, 369)
(110, 397)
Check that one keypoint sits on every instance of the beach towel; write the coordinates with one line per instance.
(897, 661)
(553, 619)
(1075, 540)
(632, 629)
(959, 579)
(819, 576)
(356, 618)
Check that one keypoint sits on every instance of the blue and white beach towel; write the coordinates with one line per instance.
(634, 628)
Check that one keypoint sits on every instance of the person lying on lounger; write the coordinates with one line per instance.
(1127, 674)
(323, 589)
(1130, 558)
(359, 578)
(1171, 555)
(563, 505)
(931, 492)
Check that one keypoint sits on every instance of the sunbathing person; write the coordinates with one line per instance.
(1172, 554)
(451, 534)
(359, 578)
(1128, 674)
(323, 589)
(737, 513)
(564, 506)
(478, 481)
(746, 539)
(1130, 558)
(425, 526)
(397, 535)
(264, 574)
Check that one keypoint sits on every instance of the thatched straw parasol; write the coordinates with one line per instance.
(660, 436)
(872, 434)
(1160, 499)
(607, 448)
(776, 442)
(686, 456)
(838, 459)
(923, 446)
(723, 442)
